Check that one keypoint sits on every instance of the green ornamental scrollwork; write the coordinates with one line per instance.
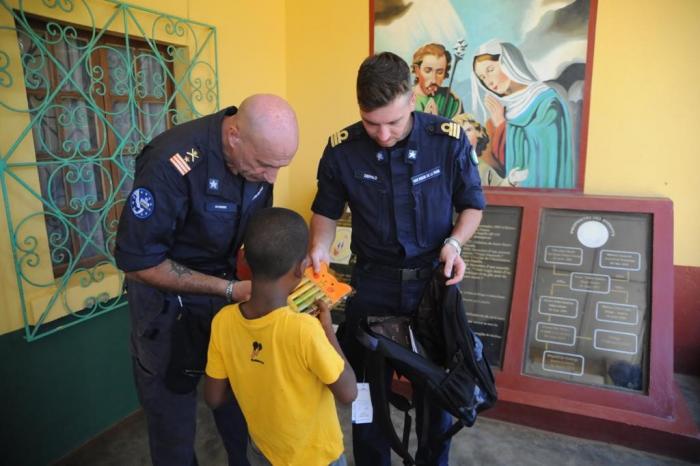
(203, 88)
(5, 76)
(32, 262)
(65, 5)
(98, 88)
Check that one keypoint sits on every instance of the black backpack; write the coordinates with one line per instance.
(437, 352)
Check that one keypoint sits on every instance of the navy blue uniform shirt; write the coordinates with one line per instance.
(402, 198)
(185, 204)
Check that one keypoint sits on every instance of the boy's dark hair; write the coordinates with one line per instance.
(275, 240)
(380, 79)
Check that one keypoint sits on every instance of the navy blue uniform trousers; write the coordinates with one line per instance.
(172, 417)
(376, 295)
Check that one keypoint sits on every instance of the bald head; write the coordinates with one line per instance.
(269, 119)
(262, 137)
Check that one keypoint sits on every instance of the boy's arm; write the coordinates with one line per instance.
(345, 388)
(216, 391)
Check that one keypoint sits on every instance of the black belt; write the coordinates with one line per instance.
(397, 274)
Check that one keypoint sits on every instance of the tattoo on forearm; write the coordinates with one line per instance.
(179, 269)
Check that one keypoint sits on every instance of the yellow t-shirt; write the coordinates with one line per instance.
(278, 366)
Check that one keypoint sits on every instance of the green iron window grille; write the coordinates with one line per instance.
(98, 80)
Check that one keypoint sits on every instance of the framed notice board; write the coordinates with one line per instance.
(487, 286)
(589, 315)
(590, 312)
(573, 295)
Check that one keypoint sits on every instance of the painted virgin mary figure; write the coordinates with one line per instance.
(528, 121)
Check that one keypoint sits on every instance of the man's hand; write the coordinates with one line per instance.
(241, 291)
(454, 264)
(320, 240)
(317, 255)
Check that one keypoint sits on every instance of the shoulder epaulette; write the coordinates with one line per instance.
(451, 128)
(183, 163)
(339, 137)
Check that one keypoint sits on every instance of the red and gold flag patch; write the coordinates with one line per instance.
(180, 164)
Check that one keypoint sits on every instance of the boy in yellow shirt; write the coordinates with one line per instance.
(285, 368)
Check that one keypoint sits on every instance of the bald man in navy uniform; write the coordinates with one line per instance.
(403, 175)
(195, 187)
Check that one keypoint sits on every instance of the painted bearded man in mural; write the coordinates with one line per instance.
(431, 65)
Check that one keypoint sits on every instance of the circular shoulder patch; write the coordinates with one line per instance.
(142, 203)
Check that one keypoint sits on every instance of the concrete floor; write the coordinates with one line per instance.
(489, 442)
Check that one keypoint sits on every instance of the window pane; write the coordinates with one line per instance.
(69, 52)
(45, 129)
(77, 164)
(35, 63)
(129, 161)
(85, 186)
(125, 128)
(86, 222)
(78, 120)
(60, 241)
(153, 119)
(52, 188)
(118, 70)
(151, 77)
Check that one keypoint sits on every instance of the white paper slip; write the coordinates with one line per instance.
(362, 406)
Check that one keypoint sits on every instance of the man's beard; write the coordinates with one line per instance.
(432, 89)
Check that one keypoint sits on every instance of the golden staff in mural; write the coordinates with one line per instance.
(459, 49)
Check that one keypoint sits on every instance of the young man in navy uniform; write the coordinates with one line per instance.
(403, 174)
(195, 187)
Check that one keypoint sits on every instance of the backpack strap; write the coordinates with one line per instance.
(377, 371)
(375, 364)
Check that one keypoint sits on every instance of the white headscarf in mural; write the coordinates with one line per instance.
(517, 69)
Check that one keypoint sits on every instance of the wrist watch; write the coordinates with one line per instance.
(451, 240)
(229, 291)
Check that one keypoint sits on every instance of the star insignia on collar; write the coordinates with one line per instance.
(213, 184)
(380, 156)
(412, 154)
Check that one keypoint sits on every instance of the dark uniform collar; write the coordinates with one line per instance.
(408, 145)
(218, 181)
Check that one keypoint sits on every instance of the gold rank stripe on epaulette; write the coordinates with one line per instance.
(180, 164)
(451, 128)
(340, 136)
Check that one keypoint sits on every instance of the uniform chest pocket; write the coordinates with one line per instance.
(433, 205)
(372, 198)
(215, 225)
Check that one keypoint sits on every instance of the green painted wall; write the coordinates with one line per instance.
(62, 390)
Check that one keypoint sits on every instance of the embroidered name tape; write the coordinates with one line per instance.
(421, 177)
(221, 207)
(366, 176)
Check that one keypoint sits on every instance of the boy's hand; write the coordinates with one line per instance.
(323, 313)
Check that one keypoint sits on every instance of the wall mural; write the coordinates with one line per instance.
(515, 74)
